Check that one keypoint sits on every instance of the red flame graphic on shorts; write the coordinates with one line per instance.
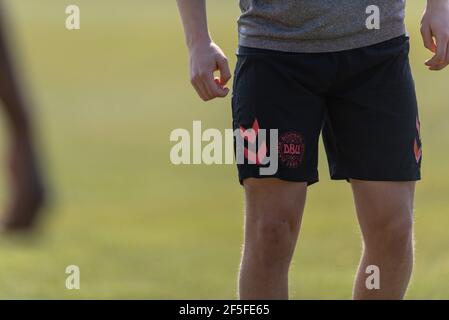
(416, 147)
(251, 137)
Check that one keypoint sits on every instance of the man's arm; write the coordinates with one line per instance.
(205, 56)
(26, 185)
(435, 33)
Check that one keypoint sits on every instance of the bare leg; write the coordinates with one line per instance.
(385, 214)
(27, 191)
(273, 217)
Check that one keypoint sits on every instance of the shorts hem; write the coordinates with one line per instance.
(309, 181)
(367, 178)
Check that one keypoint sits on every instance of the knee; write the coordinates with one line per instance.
(393, 234)
(276, 232)
(274, 238)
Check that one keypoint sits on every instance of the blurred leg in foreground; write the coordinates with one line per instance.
(26, 186)
(385, 214)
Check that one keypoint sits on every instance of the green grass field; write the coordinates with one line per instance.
(106, 99)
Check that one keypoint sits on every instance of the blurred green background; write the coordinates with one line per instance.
(107, 97)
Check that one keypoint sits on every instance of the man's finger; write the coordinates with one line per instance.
(199, 87)
(441, 49)
(438, 67)
(440, 56)
(222, 91)
(206, 95)
(447, 53)
(200, 92)
(225, 72)
(214, 88)
(429, 43)
(209, 84)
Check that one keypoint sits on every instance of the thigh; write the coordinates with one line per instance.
(272, 202)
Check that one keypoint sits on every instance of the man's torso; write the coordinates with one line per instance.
(317, 25)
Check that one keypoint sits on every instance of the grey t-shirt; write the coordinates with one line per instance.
(318, 25)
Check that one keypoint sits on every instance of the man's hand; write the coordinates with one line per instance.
(204, 61)
(205, 56)
(435, 33)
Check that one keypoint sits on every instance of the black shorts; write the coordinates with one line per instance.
(362, 100)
